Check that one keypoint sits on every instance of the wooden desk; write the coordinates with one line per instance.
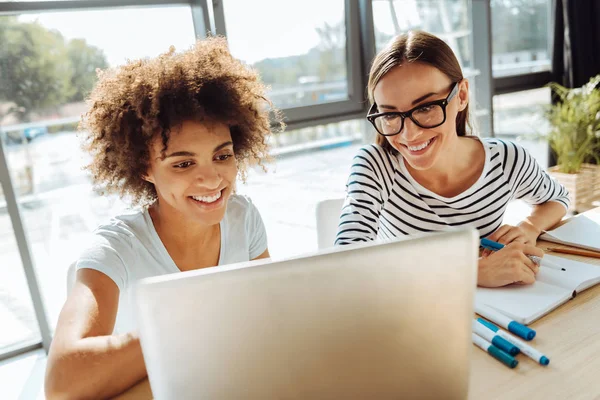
(569, 336)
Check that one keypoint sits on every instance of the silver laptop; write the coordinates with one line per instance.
(385, 320)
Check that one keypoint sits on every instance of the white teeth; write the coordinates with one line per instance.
(421, 147)
(208, 199)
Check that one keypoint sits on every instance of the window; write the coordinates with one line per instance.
(520, 36)
(521, 113)
(520, 116)
(312, 67)
(304, 63)
(449, 20)
(48, 69)
(19, 324)
(312, 164)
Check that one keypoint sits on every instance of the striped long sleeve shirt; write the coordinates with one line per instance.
(383, 200)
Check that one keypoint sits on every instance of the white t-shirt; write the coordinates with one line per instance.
(128, 249)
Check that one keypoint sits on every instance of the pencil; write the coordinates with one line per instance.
(576, 252)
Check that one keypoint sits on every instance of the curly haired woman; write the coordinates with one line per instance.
(170, 133)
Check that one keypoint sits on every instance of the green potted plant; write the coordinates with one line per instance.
(574, 137)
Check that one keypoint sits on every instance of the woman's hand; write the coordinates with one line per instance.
(509, 265)
(525, 233)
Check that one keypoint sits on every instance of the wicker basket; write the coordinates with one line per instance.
(583, 187)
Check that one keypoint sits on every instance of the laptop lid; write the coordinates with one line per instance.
(378, 320)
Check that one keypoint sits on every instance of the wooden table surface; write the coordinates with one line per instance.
(569, 336)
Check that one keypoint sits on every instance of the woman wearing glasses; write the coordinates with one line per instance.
(426, 172)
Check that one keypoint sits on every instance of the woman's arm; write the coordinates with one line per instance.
(85, 359)
(529, 182)
(544, 216)
(359, 217)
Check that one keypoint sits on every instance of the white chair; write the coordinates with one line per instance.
(328, 215)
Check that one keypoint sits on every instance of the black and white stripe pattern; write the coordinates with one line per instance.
(384, 201)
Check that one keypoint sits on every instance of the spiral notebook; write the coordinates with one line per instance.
(553, 287)
(581, 231)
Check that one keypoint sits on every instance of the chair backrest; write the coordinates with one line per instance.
(328, 215)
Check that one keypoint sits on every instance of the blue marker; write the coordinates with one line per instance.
(495, 352)
(513, 326)
(524, 347)
(494, 339)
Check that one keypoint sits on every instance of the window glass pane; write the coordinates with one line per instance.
(312, 164)
(520, 116)
(47, 70)
(305, 62)
(19, 325)
(447, 19)
(521, 113)
(520, 36)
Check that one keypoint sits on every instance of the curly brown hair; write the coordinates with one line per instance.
(144, 99)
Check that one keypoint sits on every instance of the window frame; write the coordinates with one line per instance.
(16, 219)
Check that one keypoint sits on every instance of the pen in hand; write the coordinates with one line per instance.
(546, 263)
(495, 246)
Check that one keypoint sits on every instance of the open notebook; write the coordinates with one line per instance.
(552, 288)
(581, 231)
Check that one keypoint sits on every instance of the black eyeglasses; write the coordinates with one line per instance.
(428, 115)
